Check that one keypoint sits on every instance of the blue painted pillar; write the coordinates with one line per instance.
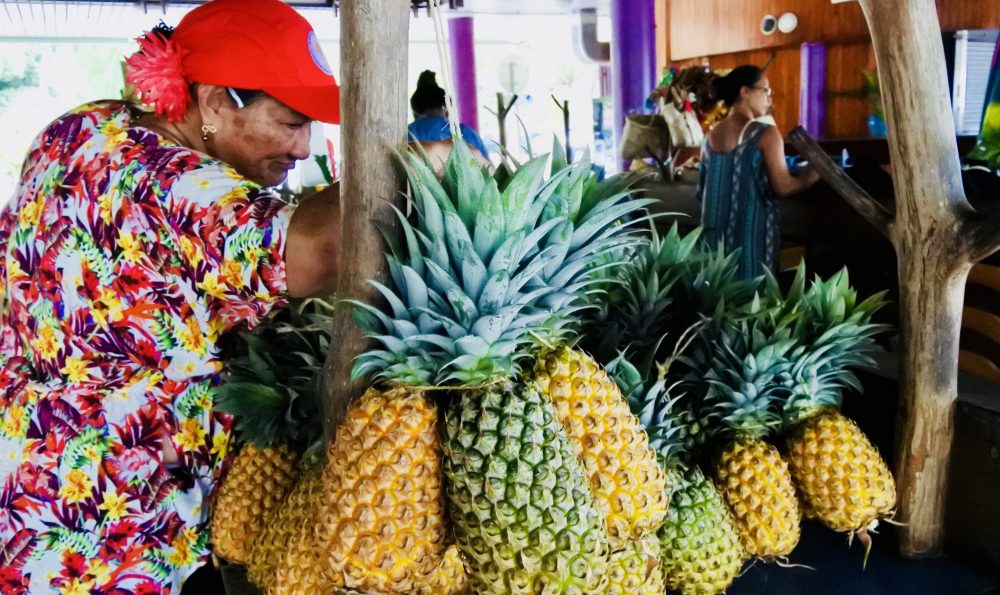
(633, 57)
(462, 40)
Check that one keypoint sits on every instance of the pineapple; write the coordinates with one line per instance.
(272, 556)
(744, 375)
(842, 478)
(623, 471)
(383, 522)
(636, 569)
(489, 265)
(449, 578)
(271, 392)
(521, 510)
(297, 568)
(255, 485)
(701, 552)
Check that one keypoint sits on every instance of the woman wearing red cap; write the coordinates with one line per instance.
(134, 240)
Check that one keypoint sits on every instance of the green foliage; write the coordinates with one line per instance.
(272, 386)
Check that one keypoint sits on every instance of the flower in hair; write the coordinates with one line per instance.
(155, 71)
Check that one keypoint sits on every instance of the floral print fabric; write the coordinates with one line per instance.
(123, 258)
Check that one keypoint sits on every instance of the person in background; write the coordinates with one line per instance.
(136, 238)
(743, 170)
(430, 115)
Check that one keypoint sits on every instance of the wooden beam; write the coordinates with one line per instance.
(933, 259)
(374, 41)
(874, 212)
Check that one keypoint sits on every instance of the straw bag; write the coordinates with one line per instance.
(645, 135)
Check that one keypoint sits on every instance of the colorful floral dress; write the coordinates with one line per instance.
(123, 258)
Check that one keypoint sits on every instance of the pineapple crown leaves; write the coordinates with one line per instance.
(464, 300)
(745, 374)
(650, 280)
(272, 388)
(834, 335)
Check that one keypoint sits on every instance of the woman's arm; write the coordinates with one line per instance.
(312, 249)
(783, 183)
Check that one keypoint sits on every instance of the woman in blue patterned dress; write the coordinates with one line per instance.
(743, 170)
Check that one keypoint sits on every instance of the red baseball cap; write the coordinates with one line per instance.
(262, 45)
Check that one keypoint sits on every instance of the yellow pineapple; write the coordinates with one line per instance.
(255, 485)
(449, 577)
(624, 475)
(839, 473)
(270, 390)
(282, 526)
(744, 372)
(298, 565)
(382, 525)
(636, 569)
(843, 478)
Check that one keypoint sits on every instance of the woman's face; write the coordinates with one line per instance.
(262, 141)
(758, 97)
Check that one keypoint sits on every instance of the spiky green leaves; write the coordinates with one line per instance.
(486, 269)
(668, 284)
(272, 387)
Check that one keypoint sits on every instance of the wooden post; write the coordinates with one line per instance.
(929, 203)
(374, 41)
(937, 237)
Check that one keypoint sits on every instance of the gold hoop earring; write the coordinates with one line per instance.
(207, 130)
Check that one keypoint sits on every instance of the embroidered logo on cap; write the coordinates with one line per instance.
(317, 54)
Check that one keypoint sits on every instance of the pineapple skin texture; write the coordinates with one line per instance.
(521, 508)
(449, 577)
(756, 484)
(383, 522)
(256, 484)
(842, 478)
(636, 569)
(283, 527)
(624, 474)
(702, 553)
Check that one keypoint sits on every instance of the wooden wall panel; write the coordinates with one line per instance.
(662, 35)
(710, 27)
(969, 14)
(846, 117)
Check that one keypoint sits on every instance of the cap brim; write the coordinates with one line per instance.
(317, 103)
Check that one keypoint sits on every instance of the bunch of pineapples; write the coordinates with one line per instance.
(270, 387)
(762, 365)
(549, 478)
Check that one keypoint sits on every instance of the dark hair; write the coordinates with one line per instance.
(727, 88)
(248, 96)
(429, 95)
